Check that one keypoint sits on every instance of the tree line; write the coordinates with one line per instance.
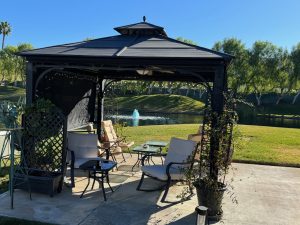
(12, 67)
(263, 68)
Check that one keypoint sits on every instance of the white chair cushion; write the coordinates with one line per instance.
(83, 145)
(111, 138)
(180, 150)
(86, 152)
(109, 130)
(159, 172)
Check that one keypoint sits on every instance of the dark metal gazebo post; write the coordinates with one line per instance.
(217, 104)
(29, 83)
(100, 105)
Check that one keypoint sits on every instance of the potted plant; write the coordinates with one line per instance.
(43, 149)
(215, 158)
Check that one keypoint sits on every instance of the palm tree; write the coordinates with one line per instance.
(5, 30)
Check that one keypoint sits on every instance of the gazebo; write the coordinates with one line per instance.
(73, 75)
(142, 51)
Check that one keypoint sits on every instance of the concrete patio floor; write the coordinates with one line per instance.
(266, 195)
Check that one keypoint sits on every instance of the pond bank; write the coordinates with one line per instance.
(163, 117)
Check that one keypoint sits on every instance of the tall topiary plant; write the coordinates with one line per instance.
(217, 134)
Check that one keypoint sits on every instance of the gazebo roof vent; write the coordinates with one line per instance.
(142, 28)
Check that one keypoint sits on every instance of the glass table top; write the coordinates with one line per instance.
(147, 149)
(157, 143)
(104, 165)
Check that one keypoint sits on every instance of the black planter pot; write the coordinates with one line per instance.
(38, 182)
(211, 198)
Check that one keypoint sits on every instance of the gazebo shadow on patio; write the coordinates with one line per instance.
(255, 185)
(124, 206)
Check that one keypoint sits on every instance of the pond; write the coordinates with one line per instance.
(156, 119)
(166, 118)
(267, 121)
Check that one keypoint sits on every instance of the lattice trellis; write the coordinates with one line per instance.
(43, 142)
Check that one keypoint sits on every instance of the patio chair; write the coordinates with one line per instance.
(90, 128)
(197, 136)
(82, 148)
(114, 143)
(178, 159)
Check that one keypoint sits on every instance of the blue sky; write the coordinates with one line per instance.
(44, 23)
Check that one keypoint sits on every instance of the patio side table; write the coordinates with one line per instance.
(159, 144)
(98, 170)
(142, 151)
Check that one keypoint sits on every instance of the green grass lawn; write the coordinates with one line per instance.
(11, 93)
(271, 145)
(160, 102)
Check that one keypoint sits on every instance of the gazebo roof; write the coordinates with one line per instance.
(142, 51)
(136, 40)
(141, 27)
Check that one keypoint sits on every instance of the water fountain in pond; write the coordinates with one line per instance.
(135, 119)
(135, 114)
